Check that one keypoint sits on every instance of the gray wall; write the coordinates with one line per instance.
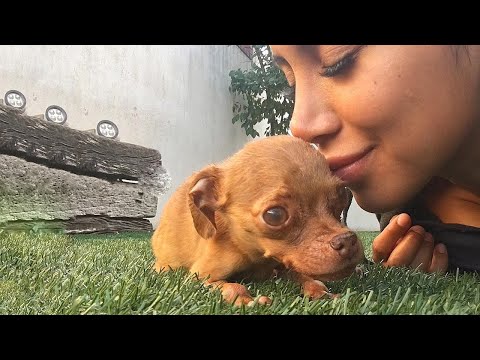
(171, 98)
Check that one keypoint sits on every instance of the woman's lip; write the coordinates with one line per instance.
(338, 162)
(350, 168)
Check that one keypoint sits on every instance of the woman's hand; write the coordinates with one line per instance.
(401, 244)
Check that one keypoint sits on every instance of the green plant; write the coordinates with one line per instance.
(264, 95)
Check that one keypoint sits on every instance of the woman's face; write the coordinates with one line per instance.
(387, 118)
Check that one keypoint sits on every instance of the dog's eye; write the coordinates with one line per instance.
(275, 216)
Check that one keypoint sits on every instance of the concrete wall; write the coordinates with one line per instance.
(171, 98)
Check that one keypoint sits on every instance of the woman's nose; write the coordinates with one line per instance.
(313, 117)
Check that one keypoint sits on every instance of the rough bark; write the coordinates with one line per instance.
(74, 179)
(79, 152)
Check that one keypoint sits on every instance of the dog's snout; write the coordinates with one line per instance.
(345, 243)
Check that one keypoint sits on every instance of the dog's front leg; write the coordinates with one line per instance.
(235, 293)
(214, 270)
(314, 289)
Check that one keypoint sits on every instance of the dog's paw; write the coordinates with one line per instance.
(236, 294)
(262, 300)
(333, 296)
(315, 289)
(242, 300)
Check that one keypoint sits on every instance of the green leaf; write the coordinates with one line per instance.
(262, 89)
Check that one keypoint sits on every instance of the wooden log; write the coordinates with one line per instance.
(79, 152)
(80, 225)
(103, 225)
(62, 178)
(30, 191)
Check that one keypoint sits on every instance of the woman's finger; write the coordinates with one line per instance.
(439, 260)
(385, 242)
(424, 255)
(406, 251)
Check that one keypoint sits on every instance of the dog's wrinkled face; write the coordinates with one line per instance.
(277, 199)
(306, 234)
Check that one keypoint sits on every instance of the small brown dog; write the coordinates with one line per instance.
(272, 208)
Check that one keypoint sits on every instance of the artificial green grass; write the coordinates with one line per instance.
(111, 274)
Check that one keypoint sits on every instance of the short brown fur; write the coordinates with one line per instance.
(213, 224)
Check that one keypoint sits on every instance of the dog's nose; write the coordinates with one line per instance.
(345, 244)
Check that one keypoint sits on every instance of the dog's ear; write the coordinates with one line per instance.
(348, 197)
(204, 200)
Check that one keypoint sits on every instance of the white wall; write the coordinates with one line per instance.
(171, 98)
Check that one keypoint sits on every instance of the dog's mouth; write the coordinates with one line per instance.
(319, 270)
(336, 275)
(332, 257)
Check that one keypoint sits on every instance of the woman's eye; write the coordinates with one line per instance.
(340, 67)
(343, 65)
